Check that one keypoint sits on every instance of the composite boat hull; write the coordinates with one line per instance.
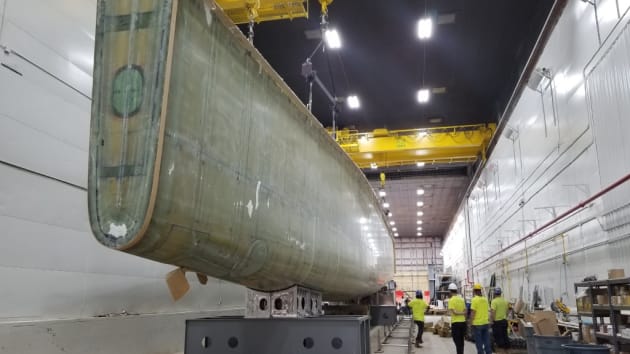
(202, 157)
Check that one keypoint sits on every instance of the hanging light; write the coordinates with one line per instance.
(353, 102)
(425, 28)
(332, 38)
(423, 95)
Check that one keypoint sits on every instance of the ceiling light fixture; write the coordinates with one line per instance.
(353, 102)
(373, 166)
(385, 205)
(419, 234)
(420, 213)
(389, 213)
(420, 191)
(396, 234)
(419, 228)
(381, 193)
(425, 28)
(394, 229)
(423, 95)
(420, 164)
(333, 40)
(392, 222)
(419, 222)
(420, 204)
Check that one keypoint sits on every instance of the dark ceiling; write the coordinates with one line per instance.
(477, 58)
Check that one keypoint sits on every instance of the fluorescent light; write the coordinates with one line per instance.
(396, 234)
(373, 166)
(362, 220)
(392, 222)
(420, 191)
(419, 234)
(420, 164)
(381, 193)
(425, 28)
(419, 228)
(385, 205)
(419, 222)
(420, 213)
(423, 95)
(332, 39)
(390, 214)
(394, 229)
(353, 102)
(420, 204)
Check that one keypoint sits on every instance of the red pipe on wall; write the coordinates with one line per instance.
(581, 205)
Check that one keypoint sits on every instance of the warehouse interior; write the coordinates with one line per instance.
(167, 166)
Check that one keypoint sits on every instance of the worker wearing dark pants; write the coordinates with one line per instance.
(458, 330)
(479, 317)
(418, 308)
(498, 314)
(499, 332)
(457, 310)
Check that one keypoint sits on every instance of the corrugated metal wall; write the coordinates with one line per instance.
(414, 256)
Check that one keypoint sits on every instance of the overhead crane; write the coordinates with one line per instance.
(389, 148)
(244, 11)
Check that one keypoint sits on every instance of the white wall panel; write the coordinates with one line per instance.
(51, 267)
(57, 36)
(608, 85)
(35, 150)
(543, 173)
(29, 197)
(2, 7)
(54, 108)
(44, 124)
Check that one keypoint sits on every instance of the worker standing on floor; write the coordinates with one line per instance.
(418, 307)
(498, 318)
(457, 310)
(479, 318)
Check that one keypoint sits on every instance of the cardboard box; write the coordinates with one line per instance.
(545, 323)
(616, 273)
(602, 299)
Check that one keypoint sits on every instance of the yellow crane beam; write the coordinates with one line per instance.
(243, 11)
(386, 148)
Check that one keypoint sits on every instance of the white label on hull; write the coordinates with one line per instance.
(257, 191)
(117, 231)
(250, 208)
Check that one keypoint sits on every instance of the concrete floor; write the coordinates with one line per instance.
(397, 342)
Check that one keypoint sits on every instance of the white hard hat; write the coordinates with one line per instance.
(452, 286)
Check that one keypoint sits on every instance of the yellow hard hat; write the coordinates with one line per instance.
(477, 286)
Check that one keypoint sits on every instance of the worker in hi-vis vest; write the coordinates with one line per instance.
(457, 310)
(479, 318)
(498, 319)
(418, 307)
